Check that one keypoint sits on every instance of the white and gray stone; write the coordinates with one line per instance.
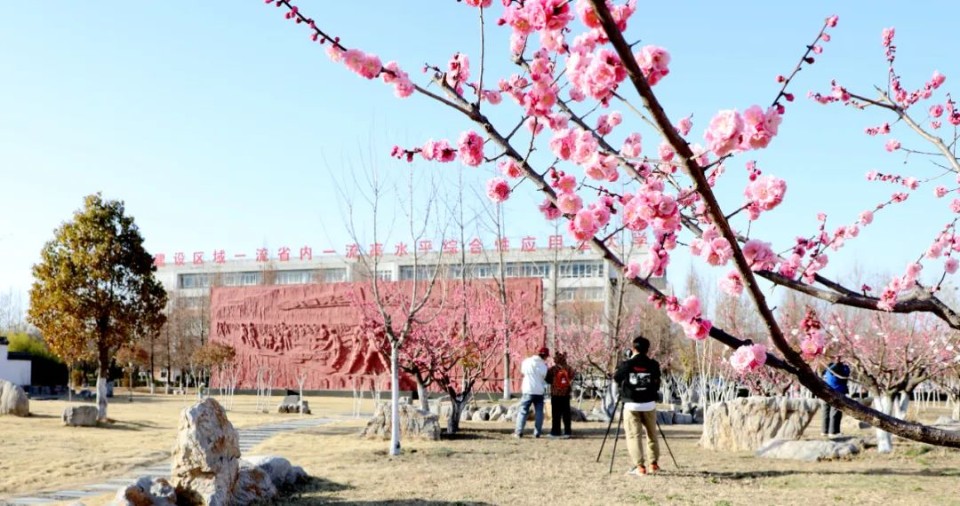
(253, 486)
(80, 416)
(146, 491)
(279, 470)
(289, 404)
(810, 451)
(413, 423)
(744, 424)
(13, 400)
(206, 457)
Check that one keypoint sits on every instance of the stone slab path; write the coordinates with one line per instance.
(249, 438)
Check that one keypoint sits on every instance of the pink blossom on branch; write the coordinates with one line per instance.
(498, 189)
(365, 65)
(470, 148)
(724, 133)
(749, 358)
(732, 284)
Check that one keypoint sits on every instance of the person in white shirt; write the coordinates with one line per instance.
(534, 369)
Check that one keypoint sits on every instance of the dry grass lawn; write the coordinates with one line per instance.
(40, 453)
(484, 465)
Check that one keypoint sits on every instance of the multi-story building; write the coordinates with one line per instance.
(569, 274)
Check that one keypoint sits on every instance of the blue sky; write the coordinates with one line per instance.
(223, 127)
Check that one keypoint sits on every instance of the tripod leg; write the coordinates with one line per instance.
(609, 425)
(613, 454)
(664, 436)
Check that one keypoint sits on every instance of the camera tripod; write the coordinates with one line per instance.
(613, 454)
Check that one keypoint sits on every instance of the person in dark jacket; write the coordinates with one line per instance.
(560, 379)
(639, 380)
(836, 377)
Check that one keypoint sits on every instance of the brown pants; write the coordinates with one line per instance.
(634, 421)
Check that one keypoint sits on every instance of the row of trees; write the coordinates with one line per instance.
(572, 60)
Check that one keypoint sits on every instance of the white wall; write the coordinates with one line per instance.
(14, 371)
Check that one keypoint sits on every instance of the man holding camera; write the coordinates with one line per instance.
(639, 381)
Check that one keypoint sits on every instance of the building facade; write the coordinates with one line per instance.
(568, 274)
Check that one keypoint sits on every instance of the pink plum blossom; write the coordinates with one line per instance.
(470, 148)
(366, 65)
(892, 145)
(950, 265)
(654, 63)
(511, 168)
(866, 218)
(759, 127)
(732, 284)
(498, 189)
(632, 270)
(724, 132)
(748, 358)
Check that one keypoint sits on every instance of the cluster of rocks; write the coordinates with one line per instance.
(413, 423)
(811, 450)
(207, 469)
(13, 400)
(294, 404)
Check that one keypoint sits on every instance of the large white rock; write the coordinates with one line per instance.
(80, 416)
(253, 486)
(279, 469)
(744, 424)
(13, 400)
(206, 457)
(809, 451)
(413, 423)
(146, 491)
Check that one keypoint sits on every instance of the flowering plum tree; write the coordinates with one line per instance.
(574, 62)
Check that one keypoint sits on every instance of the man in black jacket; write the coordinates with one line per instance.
(639, 381)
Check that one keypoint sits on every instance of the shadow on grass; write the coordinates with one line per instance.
(317, 491)
(759, 474)
(127, 425)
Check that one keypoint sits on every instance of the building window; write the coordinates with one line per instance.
(194, 281)
(423, 272)
(528, 270)
(589, 293)
(298, 277)
(581, 269)
(385, 275)
(333, 275)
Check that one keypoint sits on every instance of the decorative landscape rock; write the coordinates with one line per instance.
(289, 404)
(206, 456)
(253, 486)
(278, 469)
(13, 400)
(810, 451)
(80, 416)
(146, 491)
(744, 424)
(413, 423)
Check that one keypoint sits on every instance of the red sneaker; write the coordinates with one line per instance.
(637, 471)
(654, 467)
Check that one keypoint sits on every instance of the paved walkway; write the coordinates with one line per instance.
(249, 437)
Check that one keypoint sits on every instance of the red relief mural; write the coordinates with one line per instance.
(314, 331)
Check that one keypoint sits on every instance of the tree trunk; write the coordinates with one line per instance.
(422, 394)
(69, 382)
(893, 404)
(453, 421)
(103, 374)
(395, 399)
(506, 370)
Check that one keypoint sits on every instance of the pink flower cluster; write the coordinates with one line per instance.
(689, 316)
(748, 358)
(759, 255)
(732, 284)
(590, 219)
(812, 341)
(511, 168)
(594, 74)
(498, 189)
(888, 298)
(403, 87)
(654, 62)
(712, 246)
(458, 72)
(363, 64)
(438, 150)
(470, 148)
(763, 194)
(650, 206)
(730, 132)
